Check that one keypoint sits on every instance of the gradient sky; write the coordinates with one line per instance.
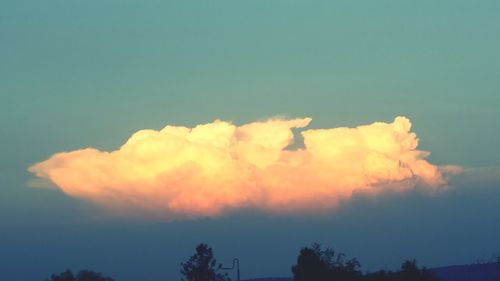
(76, 74)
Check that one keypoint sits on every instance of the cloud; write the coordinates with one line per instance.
(214, 168)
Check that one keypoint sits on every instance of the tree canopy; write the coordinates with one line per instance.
(317, 264)
(202, 266)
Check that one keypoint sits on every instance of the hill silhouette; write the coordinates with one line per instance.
(472, 272)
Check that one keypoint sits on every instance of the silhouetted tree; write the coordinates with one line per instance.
(310, 267)
(411, 272)
(83, 275)
(316, 264)
(202, 266)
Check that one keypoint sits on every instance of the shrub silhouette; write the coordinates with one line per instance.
(83, 275)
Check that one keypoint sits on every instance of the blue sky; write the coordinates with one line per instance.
(75, 74)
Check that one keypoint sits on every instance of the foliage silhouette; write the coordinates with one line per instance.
(411, 272)
(202, 266)
(317, 264)
(83, 275)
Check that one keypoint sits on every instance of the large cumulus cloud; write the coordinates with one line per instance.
(218, 167)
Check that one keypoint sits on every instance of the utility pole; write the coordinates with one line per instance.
(236, 263)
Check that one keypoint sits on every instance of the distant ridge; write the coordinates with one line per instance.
(471, 272)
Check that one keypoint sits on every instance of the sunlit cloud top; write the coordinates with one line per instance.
(213, 168)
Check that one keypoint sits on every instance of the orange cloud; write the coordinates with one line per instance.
(217, 167)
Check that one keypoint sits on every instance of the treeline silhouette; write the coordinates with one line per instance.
(83, 275)
(317, 264)
(314, 263)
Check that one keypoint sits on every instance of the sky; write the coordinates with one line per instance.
(90, 74)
